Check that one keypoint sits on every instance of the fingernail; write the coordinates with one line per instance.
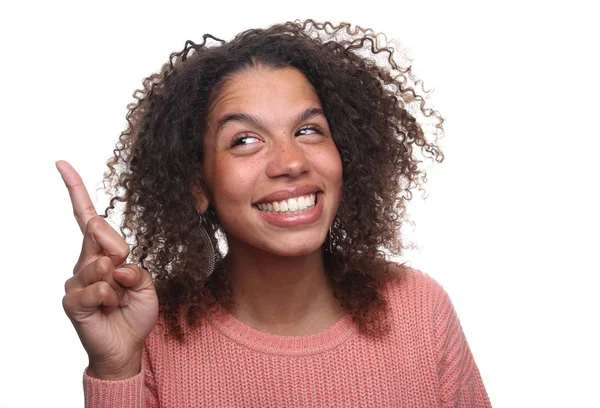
(126, 271)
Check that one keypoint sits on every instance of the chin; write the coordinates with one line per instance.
(291, 247)
(283, 243)
(292, 251)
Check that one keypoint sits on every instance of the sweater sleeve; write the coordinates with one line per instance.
(136, 392)
(460, 382)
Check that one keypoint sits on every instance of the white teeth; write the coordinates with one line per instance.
(291, 204)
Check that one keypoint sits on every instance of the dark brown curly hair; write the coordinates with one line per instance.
(378, 117)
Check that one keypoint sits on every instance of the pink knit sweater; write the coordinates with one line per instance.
(424, 361)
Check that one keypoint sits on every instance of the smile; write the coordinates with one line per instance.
(294, 212)
(294, 205)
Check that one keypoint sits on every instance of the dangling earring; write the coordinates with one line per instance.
(330, 250)
(207, 252)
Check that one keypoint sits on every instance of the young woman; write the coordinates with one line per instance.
(298, 145)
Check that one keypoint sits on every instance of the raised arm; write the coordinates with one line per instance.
(112, 304)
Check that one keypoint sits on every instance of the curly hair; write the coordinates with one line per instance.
(377, 113)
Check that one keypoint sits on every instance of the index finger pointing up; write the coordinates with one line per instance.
(83, 208)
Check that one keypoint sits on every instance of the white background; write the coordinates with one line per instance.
(509, 229)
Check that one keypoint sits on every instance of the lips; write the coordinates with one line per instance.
(290, 192)
(295, 218)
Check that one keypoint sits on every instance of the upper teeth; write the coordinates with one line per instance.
(289, 205)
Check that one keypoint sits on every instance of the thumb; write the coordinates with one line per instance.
(133, 277)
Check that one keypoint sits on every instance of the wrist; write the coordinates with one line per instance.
(115, 372)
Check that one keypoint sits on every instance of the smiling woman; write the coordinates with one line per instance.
(301, 145)
(271, 145)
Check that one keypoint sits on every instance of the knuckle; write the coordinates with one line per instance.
(68, 285)
(123, 251)
(67, 304)
(77, 267)
(104, 266)
(94, 224)
(103, 289)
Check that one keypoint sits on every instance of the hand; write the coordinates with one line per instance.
(112, 305)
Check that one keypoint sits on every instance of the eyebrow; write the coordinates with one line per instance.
(251, 120)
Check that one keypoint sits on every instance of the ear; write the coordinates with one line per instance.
(198, 191)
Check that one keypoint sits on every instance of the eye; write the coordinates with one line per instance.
(244, 140)
(310, 130)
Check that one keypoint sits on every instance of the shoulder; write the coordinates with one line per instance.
(425, 321)
(409, 286)
(416, 300)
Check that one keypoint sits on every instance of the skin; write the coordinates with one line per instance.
(278, 277)
(112, 305)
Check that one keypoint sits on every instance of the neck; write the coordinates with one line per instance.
(281, 295)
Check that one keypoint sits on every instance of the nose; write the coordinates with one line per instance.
(287, 158)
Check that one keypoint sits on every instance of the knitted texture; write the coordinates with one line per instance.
(424, 361)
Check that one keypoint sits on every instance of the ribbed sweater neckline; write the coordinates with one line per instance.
(246, 336)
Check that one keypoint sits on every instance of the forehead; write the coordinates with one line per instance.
(264, 89)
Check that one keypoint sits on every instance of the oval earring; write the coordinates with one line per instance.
(207, 252)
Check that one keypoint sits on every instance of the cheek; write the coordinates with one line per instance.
(233, 182)
(329, 164)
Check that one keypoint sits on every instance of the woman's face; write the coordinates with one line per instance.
(273, 172)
